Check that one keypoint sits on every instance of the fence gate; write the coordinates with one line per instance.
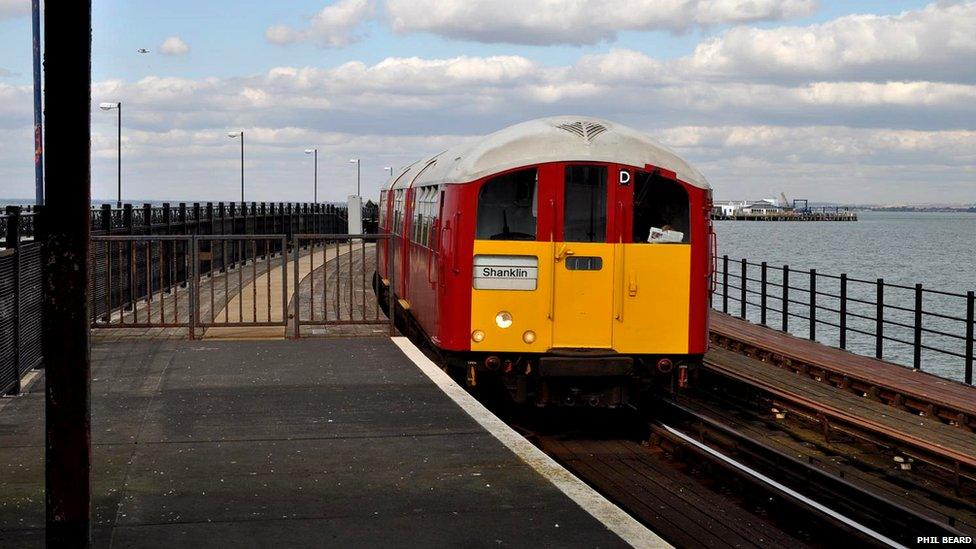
(212, 282)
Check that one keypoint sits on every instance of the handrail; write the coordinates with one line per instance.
(880, 310)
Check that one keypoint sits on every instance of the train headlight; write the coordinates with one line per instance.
(477, 336)
(503, 319)
(528, 336)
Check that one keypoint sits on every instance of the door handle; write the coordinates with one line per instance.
(563, 252)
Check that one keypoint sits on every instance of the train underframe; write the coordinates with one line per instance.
(598, 378)
(575, 377)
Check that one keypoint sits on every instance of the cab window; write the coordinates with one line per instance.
(507, 207)
(585, 197)
(660, 210)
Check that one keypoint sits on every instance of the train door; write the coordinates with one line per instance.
(651, 304)
(583, 262)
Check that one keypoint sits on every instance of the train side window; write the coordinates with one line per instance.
(506, 206)
(660, 210)
(585, 198)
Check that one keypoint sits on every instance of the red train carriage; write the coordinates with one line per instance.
(567, 255)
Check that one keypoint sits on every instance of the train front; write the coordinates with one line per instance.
(588, 279)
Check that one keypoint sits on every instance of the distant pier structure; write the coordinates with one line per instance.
(779, 210)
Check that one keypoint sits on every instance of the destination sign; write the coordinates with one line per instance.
(505, 272)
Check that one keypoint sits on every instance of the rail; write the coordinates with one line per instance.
(854, 314)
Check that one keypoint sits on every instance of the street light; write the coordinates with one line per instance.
(233, 135)
(389, 169)
(117, 106)
(356, 161)
(316, 153)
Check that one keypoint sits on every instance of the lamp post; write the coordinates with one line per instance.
(316, 192)
(240, 134)
(356, 161)
(108, 107)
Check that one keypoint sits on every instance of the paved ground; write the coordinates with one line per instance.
(311, 442)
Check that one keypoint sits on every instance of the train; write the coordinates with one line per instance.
(568, 258)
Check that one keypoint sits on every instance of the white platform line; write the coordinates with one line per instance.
(611, 516)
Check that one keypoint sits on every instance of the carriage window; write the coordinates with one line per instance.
(585, 213)
(660, 210)
(507, 207)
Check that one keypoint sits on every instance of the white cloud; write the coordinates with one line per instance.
(14, 8)
(578, 21)
(174, 45)
(332, 27)
(937, 43)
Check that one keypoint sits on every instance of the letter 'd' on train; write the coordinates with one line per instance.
(505, 272)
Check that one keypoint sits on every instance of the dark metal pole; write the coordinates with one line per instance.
(879, 321)
(119, 202)
(917, 358)
(970, 300)
(358, 165)
(725, 284)
(66, 223)
(242, 165)
(316, 193)
(763, 294)
(786, 298)
(742, 291)
(813, 304)
(38, 110)
(843, 311)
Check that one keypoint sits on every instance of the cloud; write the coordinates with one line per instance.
(543, 22)
(174, 45)
(332, 27)
(934, 43)
(14, 8)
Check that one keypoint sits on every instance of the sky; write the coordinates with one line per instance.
(834, 101)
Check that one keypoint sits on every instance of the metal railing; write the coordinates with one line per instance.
(21, 301)
(908, 325)
(321, 288)
(208, 282)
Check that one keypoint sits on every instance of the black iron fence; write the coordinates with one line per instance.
(125, 273)
(913, 326)
(315, 280)
(20, 301)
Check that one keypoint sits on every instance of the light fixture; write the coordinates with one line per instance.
(108, 106)
(233, 134)
(528, 337)
(309, 151)
(477, 336)
(503, 319)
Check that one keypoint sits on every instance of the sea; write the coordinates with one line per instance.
(937, 250)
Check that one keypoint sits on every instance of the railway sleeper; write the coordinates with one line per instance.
(843, 380)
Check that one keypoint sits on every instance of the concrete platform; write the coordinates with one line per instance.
(312, 442)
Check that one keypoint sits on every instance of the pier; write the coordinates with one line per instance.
(241, 380)
(226, 374)
(823, 215)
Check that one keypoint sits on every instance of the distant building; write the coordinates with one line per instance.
(763, 207)
(728, 208)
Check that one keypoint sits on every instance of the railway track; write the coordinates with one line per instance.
(699, 483)
(860, 442)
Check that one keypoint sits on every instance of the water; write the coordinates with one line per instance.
(937, 250)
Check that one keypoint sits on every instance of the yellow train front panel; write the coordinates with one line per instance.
(536, 296)
(651, 296)
(525, 298)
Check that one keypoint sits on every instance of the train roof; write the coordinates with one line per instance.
(553, 139)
